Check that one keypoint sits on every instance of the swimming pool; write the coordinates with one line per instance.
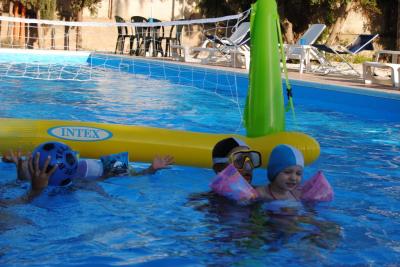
(165, 219)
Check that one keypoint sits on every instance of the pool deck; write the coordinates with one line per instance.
(342, 80)
(338, 79)
(349, 79)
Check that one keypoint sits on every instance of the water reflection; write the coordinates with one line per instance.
(236, 230)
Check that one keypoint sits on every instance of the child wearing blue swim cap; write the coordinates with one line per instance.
(285, 171)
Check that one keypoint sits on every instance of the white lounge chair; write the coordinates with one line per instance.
(303, 50)
(232, 47)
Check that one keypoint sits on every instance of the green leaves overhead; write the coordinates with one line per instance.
(65, 8)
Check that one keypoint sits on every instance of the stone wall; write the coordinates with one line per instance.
(160, 9)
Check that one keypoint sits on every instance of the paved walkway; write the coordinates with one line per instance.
(348, 80)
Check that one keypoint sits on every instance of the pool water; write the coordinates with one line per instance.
(168, 219)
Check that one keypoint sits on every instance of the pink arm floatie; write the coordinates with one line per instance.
(317, 188)
(229, 183)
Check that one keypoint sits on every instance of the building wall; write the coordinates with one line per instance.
(356, 23)
(164, 10)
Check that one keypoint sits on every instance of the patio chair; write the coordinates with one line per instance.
(361, 43)
(232, 48)
(240, 37)
(139, 36)
(154, 37)
(302, 50)
(174, 38)
(122, 35)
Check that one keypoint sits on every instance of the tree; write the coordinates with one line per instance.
(338, 10)
(398, 25)
(73, 9)
(44, 9)
(342, 12)
(333, 13)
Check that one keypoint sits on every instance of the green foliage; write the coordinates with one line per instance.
(65, 8)
(68, 9)
(46, 7)
(317, 11)
(356, 59)
(217, 8)
(78, 5)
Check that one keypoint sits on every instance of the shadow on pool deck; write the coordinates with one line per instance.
(347, 79)
(340, 80)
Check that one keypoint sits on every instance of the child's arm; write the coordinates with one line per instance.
(39, 181)
(159, 162)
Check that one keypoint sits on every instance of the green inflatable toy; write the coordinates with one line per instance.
(265, 111)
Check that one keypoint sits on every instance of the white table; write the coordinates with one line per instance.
(394, 54)
(368, 71)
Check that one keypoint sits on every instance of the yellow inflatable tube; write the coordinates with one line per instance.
(93, 140)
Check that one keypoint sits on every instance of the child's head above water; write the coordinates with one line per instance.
(283, 157)
(234, 151)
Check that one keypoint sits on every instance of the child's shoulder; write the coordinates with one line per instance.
(263, 193)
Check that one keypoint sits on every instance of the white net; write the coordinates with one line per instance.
(217, 41)
(147, 49)
(139, 37)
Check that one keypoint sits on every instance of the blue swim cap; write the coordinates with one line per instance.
(283, 156)
(62, 155)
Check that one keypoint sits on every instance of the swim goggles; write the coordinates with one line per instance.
(239, 158)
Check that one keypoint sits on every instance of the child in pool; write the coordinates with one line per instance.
(28, 168)
(285, 171)
(236, 152)
(234, 162)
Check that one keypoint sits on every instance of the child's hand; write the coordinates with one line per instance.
(40, 177)
(21, 161)
(12, 157)
(161, 162)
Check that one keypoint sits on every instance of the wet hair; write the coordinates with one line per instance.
(223, 147)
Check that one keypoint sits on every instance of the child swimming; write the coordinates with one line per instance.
(285, 172)
(236, 152)
(56, 164)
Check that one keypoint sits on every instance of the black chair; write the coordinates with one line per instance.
(175, 38)
(139, 36)
(154, 37)
(122, 35)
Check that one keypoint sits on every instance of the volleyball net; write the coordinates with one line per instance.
(202, 41)
(65, 50)
(86, 51)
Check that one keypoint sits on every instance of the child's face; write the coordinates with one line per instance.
(245, 167)
(289, 178)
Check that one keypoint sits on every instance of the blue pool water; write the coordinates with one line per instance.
(167, 219)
